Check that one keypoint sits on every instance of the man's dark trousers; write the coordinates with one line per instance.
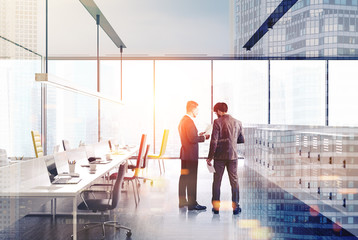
(231, 166)
(187, 182)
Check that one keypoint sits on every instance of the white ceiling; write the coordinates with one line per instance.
(147, 27)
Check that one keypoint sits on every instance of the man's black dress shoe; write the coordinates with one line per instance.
(237, 210)
(196, 207)
(215, 211)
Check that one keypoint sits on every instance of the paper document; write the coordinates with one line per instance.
(211, 168)
(208, 129)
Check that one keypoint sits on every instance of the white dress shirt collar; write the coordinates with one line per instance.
(190, 117)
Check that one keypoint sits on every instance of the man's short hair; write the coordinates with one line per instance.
(220, 106)
(190, 105)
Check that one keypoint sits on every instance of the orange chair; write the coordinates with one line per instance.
(135, 178)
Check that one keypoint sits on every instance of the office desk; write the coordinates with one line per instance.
(30, 179)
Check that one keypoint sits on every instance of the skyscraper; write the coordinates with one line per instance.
(18, 23)
(311, 28)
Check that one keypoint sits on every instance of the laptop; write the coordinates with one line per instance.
(53, 173)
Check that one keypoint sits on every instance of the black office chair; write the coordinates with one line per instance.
(103, 205)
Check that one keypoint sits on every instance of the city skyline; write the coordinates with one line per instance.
(316, 28)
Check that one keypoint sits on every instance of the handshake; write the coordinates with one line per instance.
(207, 136)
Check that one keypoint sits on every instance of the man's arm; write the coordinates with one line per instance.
(192, 133)
(214, 141)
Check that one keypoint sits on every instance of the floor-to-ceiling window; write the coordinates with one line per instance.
(343, 88)
(110, 85)
(298, 92)
(125, 123)
(243, 85)
(176, 83)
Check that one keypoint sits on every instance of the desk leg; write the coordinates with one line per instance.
(54, 208)
(74, 213)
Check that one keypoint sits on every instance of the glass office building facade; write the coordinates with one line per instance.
(278, 101)
(312, 28)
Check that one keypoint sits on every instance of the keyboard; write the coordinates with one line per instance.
(66, 181)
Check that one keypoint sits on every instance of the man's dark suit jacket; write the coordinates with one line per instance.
(189, 139)
(224, 138)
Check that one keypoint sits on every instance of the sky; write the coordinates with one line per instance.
(147, 27)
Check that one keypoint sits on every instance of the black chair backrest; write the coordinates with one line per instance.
(66, 145)
(145, 157)
(141, 151)
(116, 193)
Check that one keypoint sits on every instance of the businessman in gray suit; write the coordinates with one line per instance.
(189, 154)
(223, 149)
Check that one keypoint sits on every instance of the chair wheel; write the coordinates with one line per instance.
(129, 234)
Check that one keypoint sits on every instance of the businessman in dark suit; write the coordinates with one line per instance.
(223, 149)
(189, 154)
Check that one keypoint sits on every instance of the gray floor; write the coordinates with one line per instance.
(265, 214)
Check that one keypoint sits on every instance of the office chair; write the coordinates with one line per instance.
(36, 140)
(162, 151)
(145, 165)
(134, 179)
(66, 145)
(103, 205)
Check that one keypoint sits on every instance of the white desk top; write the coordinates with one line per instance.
(30, 178)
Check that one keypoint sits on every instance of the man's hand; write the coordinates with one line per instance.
(208, 161)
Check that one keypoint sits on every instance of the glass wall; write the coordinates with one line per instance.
(128, 122)
(72, 116)
(298, 92)
(20, 99)
(243, 85)
(20, 95)
(176, 83)
(343, 88)
(82, 74)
